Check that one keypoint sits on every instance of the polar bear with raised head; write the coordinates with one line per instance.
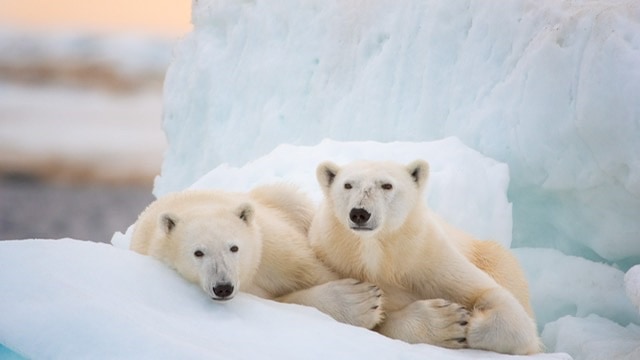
(441, 286)
(252, 242)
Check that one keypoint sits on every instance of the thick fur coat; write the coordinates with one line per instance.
(441, 286)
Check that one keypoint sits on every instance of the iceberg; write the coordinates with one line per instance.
(547, 87)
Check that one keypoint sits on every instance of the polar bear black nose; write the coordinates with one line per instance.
(223, 290)
(359, 216)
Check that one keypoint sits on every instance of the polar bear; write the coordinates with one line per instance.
(441, 286)
(252, 242)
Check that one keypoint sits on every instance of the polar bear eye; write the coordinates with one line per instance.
(234, 249)
(347, 186)
(198, 253)
(387, 186)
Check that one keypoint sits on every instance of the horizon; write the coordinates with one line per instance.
(157, 17)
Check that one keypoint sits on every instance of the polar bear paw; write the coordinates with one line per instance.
(352, 302)
(446, 323)
(499, 323)
(437, 322)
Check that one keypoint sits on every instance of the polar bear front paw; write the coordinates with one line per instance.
(447, 323)
(437, 322)
(353, 302)
(500, 323)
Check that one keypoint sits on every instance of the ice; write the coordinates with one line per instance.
(632, 285)
(89, 300)
(548, 87)
(594, 338)
(562, 285)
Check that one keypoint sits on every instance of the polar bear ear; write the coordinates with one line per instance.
(245, 212)
(326, 173)
(419, 171)
(168, 222)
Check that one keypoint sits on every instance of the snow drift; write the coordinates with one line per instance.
(88, 300)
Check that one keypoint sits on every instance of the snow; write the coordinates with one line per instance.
(81, 299)
(479, 188)
(594, 338)
(632, 285)
(548, 87)
(562, 285)
(90, 300)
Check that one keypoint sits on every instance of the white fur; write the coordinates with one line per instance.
(440, 285)
(256, 243)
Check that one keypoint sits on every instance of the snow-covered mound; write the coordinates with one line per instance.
(465, 187)
(83, 299)
(549, 87)
(70, 299)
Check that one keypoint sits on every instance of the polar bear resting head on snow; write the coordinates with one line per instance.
(181, 235)
(253, 242)
(441, 285)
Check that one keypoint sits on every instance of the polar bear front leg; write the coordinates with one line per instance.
(437, 322)
(347, 300)
(499, 323)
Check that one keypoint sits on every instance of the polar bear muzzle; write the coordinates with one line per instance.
(359, 219)
(223, 291)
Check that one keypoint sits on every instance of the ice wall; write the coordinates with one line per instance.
(549, 87)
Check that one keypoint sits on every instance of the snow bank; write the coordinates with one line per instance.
(89, 300)
(465, 187)
(549, 87)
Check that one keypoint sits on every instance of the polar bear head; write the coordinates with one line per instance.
(218, 248)
(372, 196)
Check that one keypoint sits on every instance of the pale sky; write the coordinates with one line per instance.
(162, 17)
